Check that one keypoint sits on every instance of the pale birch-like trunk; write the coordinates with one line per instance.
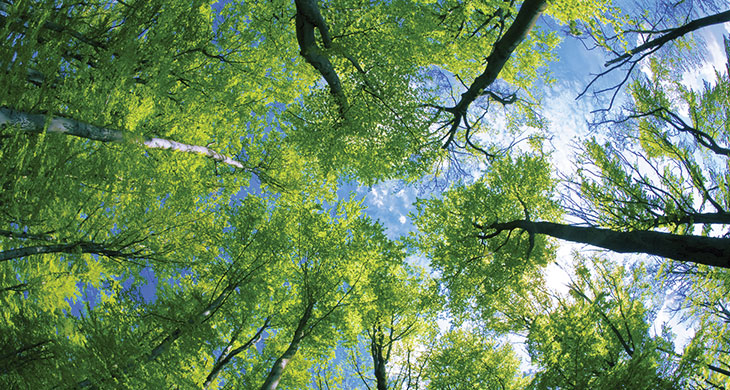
(38, 123)
(277, 370)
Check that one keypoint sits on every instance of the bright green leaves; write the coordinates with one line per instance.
(488, 269)
(617, 197)
(666, 165)
(599, 337)
(466, 360)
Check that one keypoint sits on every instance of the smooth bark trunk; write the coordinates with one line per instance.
(38, 123)
(81, 247)
(309, 18)
(230, 354)
(722, 17)
(501, 52)
(379, 363)
(697, 249)
(277, 370)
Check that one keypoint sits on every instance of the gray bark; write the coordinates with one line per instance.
(722, 17)
(501, 52)
(38, 123)
(307, 19)
(79, 247)
(230, 354)
(277, 370)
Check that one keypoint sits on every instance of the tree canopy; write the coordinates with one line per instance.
(187, 195)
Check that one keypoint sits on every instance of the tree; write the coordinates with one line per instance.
(481, 275)
(398, 316)
(376, 125)
(630, 203)
(463, 359)
(662, 29)
(172, 215)
(330, 262)
(599, 337)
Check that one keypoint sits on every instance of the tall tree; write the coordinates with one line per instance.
(481, 275)
(329, 264)
(398, 315)
(599, 336)
(463, 359)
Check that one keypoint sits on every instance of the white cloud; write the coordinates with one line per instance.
(402, 219)
(377, 198)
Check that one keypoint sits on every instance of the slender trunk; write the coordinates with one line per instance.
(170, 339)
(39, 123)
(379, 362)
(79, 247)
(722, 17)
(503, 49)
(228, 355)
(696, 249)
(277, 370)
(501, 52)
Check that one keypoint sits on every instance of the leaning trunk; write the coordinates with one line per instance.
(697, 249)
(79, 247)
(39, 123)
(722, 17)
(277, 370)
(529, 12)
(170, 339)
(230, 354)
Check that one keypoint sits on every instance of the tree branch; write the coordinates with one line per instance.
(697, 249)
(221, 363)
(501, 52)
(675, 33)
(39, 123)
(308, 18)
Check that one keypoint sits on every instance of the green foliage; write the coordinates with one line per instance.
(125, 266)
(481, 274)
(466, 360)
(598, 337)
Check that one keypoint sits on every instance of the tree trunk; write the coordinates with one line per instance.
(503, 49)
(696, 249)
(39, 123)
(307, 19)
(277, 370)
(379, 363)
(722, 17)
(80, 247)
(228, 355)
(170, 339)
(501, 52)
